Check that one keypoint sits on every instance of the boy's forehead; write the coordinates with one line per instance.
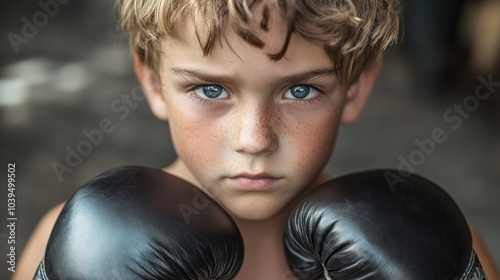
(273, 35)
(232, 47)
(233, 56)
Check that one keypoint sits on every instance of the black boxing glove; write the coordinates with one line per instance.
(141, 223)
(370, 226)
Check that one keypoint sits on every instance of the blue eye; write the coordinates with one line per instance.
(303, 92)
(211, 92)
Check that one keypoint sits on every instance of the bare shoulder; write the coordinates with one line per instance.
(52, 215)
(483, 254)
(35, 247)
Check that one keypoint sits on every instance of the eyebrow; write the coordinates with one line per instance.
(294, 78)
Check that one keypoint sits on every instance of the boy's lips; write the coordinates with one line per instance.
(254, 181)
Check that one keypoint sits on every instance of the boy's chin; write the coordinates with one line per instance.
(256, 212)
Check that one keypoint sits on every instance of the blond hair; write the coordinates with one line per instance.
(354, 32)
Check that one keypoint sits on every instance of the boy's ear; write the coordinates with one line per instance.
(152, 89)
(358, 94)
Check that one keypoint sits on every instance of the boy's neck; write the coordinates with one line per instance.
(264, 249)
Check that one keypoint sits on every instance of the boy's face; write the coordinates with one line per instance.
(254, 132)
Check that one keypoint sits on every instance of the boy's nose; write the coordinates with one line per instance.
(254, 131)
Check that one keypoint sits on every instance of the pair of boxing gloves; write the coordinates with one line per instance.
(142, 223)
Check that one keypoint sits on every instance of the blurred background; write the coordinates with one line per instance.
(66, 68)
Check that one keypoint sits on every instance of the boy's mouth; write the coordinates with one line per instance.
(257, 182)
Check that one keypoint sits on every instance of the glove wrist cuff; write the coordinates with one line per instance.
(474, 270)
(40, 272)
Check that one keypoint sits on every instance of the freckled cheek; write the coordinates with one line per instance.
(197, 139)
(312, 142)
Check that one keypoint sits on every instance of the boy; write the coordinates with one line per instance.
(254, 92)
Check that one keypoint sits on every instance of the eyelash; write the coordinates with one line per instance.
(203, 101)
(310, 101)
(208, 101)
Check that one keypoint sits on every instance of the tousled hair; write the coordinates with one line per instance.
(354, 32)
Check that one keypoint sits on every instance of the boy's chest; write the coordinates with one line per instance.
(268, 273)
